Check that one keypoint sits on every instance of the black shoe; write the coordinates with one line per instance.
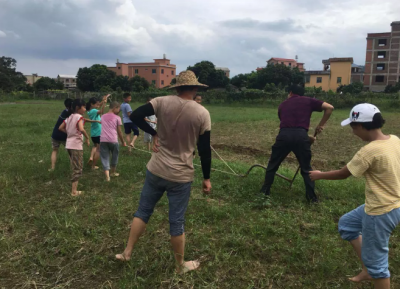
(314, 201)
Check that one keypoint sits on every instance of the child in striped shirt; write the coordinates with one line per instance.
(368, 228)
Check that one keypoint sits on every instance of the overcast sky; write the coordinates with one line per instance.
(53, 37)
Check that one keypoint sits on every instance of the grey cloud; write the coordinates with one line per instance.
(62, 30)
(286, 25)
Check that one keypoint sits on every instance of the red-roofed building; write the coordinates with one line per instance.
(159, 73)
(286, 61)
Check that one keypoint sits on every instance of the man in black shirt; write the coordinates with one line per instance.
(58, 137)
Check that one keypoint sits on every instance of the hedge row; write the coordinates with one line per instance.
(223, 97)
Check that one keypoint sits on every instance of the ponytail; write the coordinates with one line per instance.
(91, 101)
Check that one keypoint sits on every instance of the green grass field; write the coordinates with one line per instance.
(50, 240)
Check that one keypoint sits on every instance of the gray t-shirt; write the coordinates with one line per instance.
(125, 108)
(179, 124)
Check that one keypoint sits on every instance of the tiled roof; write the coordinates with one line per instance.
(317, 72)
(66, 76)
(281, 59)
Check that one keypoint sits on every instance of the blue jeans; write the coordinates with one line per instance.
(375, 231)
(178, 197)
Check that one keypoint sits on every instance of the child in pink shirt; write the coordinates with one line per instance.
(73, 126)
(111, 130)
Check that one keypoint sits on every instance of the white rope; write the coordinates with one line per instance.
(216, 170)
(224, 162)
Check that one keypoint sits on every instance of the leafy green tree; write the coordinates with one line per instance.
(392, 88)
(310, 91)
(353, 88)
(10, 79)
(95, 77)
(122, 82)
(207, 74)
(84, 80)
(240, 80)
(271, 87)
(278, 74)
(47, 83)
(281, 76)
(138, 84)
(106, 89)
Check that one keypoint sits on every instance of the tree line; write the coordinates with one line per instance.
(13, 80)
(98, 78)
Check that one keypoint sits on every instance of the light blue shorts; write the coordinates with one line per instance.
(375, 231)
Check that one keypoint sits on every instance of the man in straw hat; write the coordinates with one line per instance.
(182, 124)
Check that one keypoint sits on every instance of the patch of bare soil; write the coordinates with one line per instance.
(243, 150)
(250, 151)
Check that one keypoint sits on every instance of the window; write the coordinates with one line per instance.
(162, 71)
(382, 42)
(339, 80)
(281, 62)
(153, 82)
(119, 67)
(319, 79)
(379, 78)
(380, 66)
(162, 82)
(73, 80)
(381, 54)
(172, 72)
(136, 71)
(290, 64)
(67, 80)
(307, 78)
(67, 85)
(154, 71)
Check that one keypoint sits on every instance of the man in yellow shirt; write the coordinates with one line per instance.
(368, 228)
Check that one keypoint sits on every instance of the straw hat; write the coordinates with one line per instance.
(187, 78)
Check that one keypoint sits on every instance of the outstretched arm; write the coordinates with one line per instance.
(89, 120)
(103, 104)
(138, 116)
(341, 174)
(328, 109)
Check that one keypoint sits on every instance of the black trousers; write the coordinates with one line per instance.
(291, 140)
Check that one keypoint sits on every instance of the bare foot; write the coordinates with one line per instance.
(77, 193)
(51, 170)
(363, 276)
(108, 179)
(95, 168)
(90, 162)
(122, 257)
(188, 266)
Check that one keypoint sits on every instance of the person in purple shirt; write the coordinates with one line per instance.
(295, 114)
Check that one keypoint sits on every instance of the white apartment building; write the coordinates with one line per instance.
(69, 81)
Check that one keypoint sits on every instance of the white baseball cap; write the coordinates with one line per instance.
(361, 113)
